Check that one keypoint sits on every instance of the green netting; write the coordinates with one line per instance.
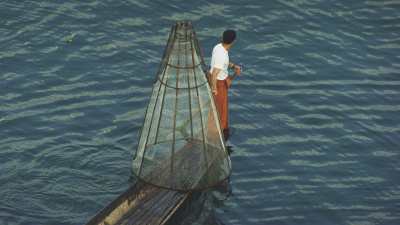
(181, 145)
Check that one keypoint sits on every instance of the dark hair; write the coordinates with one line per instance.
(228, 36)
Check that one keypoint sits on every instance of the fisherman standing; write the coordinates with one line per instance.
(220, 79)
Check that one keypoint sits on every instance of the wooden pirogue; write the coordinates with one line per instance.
(140, 204)
(181, 149)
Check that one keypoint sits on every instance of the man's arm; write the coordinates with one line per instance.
(235, 67)
(214, 80)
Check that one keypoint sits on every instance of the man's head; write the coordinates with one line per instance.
(228, 37)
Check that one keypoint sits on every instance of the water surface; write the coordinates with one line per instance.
(315, 115)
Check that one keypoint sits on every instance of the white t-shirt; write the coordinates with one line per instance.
(220, 60)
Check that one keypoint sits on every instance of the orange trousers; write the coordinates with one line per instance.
(221, 102)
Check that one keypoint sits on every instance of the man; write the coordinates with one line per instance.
(220, 80)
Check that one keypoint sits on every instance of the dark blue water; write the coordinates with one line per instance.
(316, 113)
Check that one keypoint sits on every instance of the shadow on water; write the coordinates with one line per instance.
(200, 208)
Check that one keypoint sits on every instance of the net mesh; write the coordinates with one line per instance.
(181, 145)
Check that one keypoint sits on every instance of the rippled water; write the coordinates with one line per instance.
(315, 114)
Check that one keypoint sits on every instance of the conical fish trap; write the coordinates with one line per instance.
(181, 145)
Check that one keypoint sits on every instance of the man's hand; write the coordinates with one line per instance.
(237, 69)
(214, 80)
